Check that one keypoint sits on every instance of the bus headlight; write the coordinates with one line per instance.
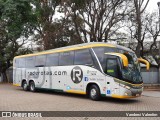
(122, 85)
(128, 87)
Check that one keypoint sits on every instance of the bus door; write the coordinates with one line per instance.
(112, 70)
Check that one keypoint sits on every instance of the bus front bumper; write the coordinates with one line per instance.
(128, 93)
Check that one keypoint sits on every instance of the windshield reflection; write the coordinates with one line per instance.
(132, 72)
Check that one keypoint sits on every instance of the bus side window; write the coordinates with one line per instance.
(40, 61)
(30, 61)
(83, 57)
(100, 54)
(112, 67)
(95, 61)
(21, 63)
(52, 59)
(66, 58)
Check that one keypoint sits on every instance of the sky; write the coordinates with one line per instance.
(152, 5)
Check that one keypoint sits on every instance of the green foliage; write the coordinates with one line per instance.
(51, 33)
(17, 14)
(15, 21)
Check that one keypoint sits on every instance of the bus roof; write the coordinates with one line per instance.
(76, 47)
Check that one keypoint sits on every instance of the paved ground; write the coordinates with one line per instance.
(15, 99)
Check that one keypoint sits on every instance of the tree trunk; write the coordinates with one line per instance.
(138, 50)
(4, 77)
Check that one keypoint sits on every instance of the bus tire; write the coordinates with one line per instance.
(94, 93)
(24, 86)
(32, 87)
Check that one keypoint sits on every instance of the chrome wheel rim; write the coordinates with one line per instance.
(93, 92)
(32, 87)
(25, 85)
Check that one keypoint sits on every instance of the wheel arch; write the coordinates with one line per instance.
(89, 85)
(23, 80)
(30, 81)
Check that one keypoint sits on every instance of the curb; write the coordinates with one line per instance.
(152, 87)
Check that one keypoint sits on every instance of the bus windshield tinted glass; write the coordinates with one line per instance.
(132, 72)
(129, 74)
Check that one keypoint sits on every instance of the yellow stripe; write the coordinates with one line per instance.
(66, 49)
(129, 83)
(16, 84)
(121, 96)
(76, 92)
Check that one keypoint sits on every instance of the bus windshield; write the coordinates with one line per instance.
(115, 68)
(129, 74)
(132, 72)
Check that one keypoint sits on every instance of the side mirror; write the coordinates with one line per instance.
(141, 60)
(122, 56)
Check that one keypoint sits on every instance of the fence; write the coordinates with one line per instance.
(151, 76)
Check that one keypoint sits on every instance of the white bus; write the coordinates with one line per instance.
(93, 69)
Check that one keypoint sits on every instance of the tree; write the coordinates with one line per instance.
(95, 20)
(14, 30)
(137, 26)
(153, 33)
(139, 8)
(48, 30)
(149, 33)
(133, 33)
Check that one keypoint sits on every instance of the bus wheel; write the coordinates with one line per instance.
(24, 86)
(94, 93)
(32, 86)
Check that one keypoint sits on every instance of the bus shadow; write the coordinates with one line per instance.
(103, 99)
(52, 92)
(120, 101)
